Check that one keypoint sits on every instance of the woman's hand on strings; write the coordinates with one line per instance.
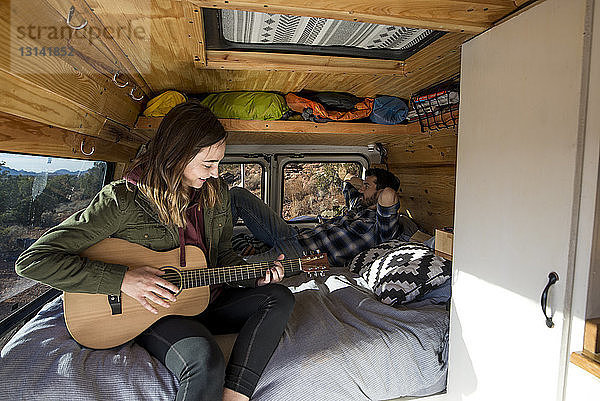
(274, 274)
(144, 284)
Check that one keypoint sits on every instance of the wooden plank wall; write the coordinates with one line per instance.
(165, 54)
(168, 56)
(21, 135)
(472, 16)
(426, 166)
(437, 62)
(78, 70)
(51, 102)
(171, 59)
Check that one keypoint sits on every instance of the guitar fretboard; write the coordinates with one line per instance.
(193, 278)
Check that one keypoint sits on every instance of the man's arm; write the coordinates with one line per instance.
(350, 189)
(354, 180)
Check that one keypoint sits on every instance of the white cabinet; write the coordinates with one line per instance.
(518, 203)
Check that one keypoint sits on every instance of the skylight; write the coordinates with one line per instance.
(263, 28)
(265, 32)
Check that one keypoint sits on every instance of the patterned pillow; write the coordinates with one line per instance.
(401, 274)
(366, 258)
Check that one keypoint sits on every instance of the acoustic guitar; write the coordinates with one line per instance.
(105, 321)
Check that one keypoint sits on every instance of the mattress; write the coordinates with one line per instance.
(339, 344)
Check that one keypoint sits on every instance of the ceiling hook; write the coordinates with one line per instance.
(137, 99)
(71, 12)
(84, 152)
(116, 82)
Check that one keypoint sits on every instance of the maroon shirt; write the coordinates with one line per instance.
(193, 234)
(194, 230)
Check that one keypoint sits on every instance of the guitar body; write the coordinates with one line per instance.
(89, 317)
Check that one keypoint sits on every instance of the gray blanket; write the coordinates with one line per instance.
(340, 344)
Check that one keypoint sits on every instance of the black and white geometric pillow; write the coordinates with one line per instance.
(404, 273)
(366, 258)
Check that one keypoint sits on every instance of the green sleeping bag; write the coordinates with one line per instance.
(247, 105)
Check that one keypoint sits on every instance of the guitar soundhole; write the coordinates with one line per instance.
(173, 276)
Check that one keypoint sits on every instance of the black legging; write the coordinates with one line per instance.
(185, 345)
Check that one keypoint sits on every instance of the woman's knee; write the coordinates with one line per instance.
(197, 356)
(282, 297)
(198, 364)
(238, 193)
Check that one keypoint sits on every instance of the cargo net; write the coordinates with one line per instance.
(436, 108)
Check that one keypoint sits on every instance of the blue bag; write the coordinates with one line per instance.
(389, 110)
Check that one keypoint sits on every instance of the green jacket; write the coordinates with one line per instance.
(119, 210)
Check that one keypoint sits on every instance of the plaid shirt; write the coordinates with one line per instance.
(358, 229)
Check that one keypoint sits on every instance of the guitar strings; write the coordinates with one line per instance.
(257, 269)
(260, 265)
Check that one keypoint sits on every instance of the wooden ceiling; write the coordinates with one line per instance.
(158, 45)
(171, 53)
(473, 16)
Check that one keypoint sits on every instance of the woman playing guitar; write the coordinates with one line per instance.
(173, 197)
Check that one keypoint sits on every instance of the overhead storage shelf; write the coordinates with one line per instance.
(251, 61)
(295, 132)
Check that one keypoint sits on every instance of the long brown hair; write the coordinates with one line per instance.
(186, 129)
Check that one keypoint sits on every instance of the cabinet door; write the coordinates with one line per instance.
(516, 198)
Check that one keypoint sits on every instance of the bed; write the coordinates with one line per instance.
(341, 343)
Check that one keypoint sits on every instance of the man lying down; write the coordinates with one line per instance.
(372, 218)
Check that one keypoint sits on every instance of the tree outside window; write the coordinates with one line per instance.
(37, 193)
(315, 189)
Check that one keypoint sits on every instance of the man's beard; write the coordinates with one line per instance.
(368, 202)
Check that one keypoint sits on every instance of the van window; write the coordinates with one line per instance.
(37, 193)
(315, 189)
(245, 175)
(269, 32)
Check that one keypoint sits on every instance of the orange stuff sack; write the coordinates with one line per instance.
(315, 111)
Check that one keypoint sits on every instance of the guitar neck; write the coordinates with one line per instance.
(193, 278)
